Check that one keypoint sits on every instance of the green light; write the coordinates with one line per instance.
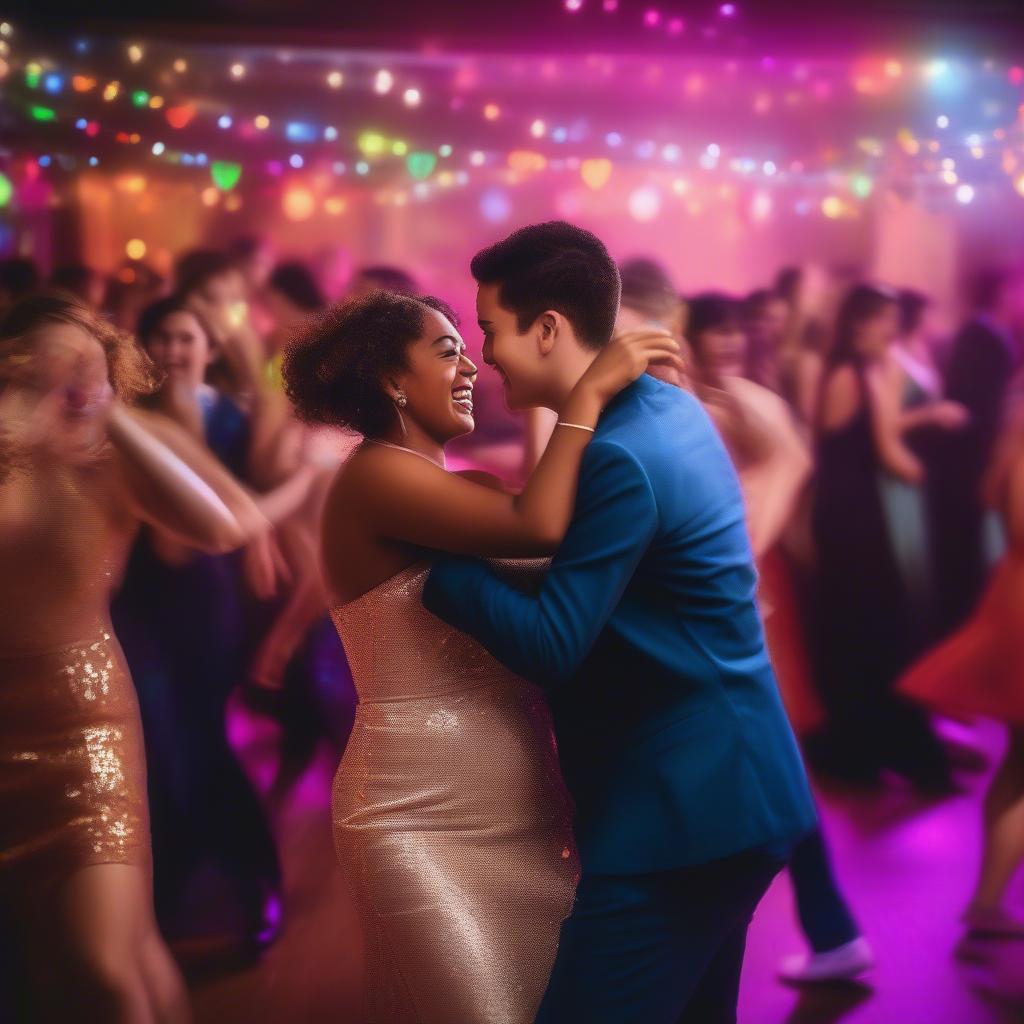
(32, 79)
(140, 97)
(225, 175)
(421, 164)
(6, 189)
(42, 113)
(861, 185)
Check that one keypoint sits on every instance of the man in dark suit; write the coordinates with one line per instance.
(982, 359)
(688, 785)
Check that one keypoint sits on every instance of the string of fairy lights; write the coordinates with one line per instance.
(329, 127)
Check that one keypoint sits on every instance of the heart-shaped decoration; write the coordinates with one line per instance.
(225, 174)
(179, 117)
(421, 165)
(596, 172)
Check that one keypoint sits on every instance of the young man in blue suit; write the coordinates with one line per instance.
(645, 633)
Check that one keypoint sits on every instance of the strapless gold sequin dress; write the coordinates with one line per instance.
(72, 765)
(450, 818)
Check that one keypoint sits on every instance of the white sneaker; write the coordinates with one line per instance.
(844, 963)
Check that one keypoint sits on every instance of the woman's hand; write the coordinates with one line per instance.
(623, 360)
(949, 415)
(234, 335)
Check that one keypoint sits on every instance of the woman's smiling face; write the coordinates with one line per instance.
(439, 379)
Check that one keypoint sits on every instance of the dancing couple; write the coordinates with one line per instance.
(640, 642)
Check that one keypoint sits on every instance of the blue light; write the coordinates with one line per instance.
(188, 159)
(613, 139)
(45, 161)
(330, 133)
(339, 167)
(82, 46)
(945, 77)
(53, 82)
(295, 160)
(94, 161)
(224, 121)
(300, 131)
(81, 124)
(559, 134)
(362, 167)
(201, 159)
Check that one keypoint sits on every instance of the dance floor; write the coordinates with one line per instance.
(906, 865)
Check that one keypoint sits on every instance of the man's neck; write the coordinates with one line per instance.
(574, 367)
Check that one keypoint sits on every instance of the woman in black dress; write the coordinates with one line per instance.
(863, 624)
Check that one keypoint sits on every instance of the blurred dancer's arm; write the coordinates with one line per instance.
(771, 486)
(178, 486)
(885, 389)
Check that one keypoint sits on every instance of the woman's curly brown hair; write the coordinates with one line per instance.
(131, 372)
(334, 370)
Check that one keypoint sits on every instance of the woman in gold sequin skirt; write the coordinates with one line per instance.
(450, 817)
(78, 472)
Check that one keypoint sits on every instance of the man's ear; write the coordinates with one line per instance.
(547, 331)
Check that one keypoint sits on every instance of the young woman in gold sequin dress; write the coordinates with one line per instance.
(449, 813)
(78, 472)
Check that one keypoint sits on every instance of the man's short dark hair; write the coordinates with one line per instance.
(556, 266)
(295, 281)
(388, 278)
(647, 288)
(196, 267)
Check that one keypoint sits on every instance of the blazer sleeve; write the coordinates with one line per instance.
(546, 636)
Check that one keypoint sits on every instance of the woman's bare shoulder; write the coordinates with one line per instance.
(488, 480)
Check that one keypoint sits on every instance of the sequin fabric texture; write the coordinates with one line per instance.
(72, 767)
(450, 819)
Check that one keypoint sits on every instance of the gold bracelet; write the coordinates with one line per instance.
(575, 426)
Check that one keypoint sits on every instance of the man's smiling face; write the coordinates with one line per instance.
(514, 355)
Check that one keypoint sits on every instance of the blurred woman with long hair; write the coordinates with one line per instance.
(863, 621)
(79, 470)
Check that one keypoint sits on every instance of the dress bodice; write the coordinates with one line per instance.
(397, 650)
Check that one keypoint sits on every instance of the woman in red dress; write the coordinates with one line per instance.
(980, 670)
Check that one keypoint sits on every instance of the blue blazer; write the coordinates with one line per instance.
(647, 638)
